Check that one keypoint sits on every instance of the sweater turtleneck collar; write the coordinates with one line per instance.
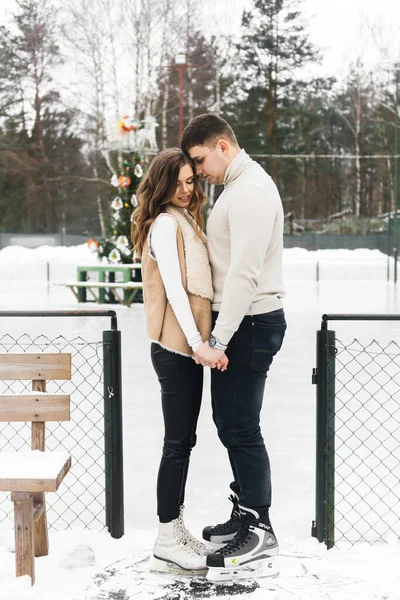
(237, 166)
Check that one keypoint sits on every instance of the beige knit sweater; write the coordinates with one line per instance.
(245, 241)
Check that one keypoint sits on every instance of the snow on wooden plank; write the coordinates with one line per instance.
(33, 471)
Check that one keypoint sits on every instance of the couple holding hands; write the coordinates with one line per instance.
(212, 301)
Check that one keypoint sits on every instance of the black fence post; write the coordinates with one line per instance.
(324, 381)
(113, 433)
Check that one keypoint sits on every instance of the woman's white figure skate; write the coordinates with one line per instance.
(196, 544)
(173, 554)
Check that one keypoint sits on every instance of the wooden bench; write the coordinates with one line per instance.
(129, 289)
(29, 474)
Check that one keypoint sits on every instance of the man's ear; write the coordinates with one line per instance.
(223, 145)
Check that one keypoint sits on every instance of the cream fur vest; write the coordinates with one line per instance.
(161, 324)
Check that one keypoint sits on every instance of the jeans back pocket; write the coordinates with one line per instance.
(268, 332)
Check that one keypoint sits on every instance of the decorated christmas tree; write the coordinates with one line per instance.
(125, 153)
(127, 147)
(116, 246)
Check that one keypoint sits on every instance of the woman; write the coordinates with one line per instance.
(167, 234)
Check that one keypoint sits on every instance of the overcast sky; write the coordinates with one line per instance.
(345, 29)
(350, 28)
(341, 27)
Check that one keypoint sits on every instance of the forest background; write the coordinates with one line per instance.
(71, 70)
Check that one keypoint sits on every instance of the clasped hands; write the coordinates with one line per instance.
(210, 357)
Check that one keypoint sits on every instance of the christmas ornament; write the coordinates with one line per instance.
(134, 201)
(138, 171)
(124, 181)
(122, 243)
(93, 245)
(126, 124)
(117, 203)
(114, 256)
(114, 181)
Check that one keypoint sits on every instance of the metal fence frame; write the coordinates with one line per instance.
(324, 377)
(112, 396)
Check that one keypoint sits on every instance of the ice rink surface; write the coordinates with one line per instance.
(89, 564)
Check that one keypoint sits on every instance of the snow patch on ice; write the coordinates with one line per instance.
(51, 254)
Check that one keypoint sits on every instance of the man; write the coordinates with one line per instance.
(245, 240)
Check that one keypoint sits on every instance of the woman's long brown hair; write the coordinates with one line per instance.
(155, 191)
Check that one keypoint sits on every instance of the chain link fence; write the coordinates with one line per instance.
(91, 494)
(80, 500)
(358, 440)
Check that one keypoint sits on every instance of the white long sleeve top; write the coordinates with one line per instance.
(164, 250)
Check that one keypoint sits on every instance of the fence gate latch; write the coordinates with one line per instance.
(314, 377)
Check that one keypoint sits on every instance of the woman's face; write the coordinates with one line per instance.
(184, 187)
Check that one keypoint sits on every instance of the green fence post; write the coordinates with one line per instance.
(322, 377)
(102, 291)
(330, 440)
(82, 276)
(113, 450)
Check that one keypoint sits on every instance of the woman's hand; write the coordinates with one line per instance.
(222, 364)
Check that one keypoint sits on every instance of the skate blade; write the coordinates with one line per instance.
(165, 566)
(254, 571)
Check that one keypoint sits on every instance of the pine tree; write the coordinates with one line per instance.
(274, 46)
(199, 94)
(41, 154)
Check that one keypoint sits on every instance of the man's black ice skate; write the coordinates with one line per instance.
(224, 532)
(249, 554)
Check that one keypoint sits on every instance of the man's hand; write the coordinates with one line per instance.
(222, 364)
(206, 356)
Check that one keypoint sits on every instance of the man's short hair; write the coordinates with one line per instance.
(205, 130)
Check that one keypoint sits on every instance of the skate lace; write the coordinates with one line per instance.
(238, 542)
(182, 535)
(195, 542)
(233, 518)
(191, 539)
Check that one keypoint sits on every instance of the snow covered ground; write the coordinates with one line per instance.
(89, 565)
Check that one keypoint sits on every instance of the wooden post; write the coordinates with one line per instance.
(41, 536)
(24, 536)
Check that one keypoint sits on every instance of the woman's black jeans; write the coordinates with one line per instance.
(237, 397)
(181, 383)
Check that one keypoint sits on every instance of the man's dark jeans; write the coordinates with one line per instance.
(237, 396)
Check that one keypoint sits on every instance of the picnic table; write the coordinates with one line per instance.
(105, 287)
